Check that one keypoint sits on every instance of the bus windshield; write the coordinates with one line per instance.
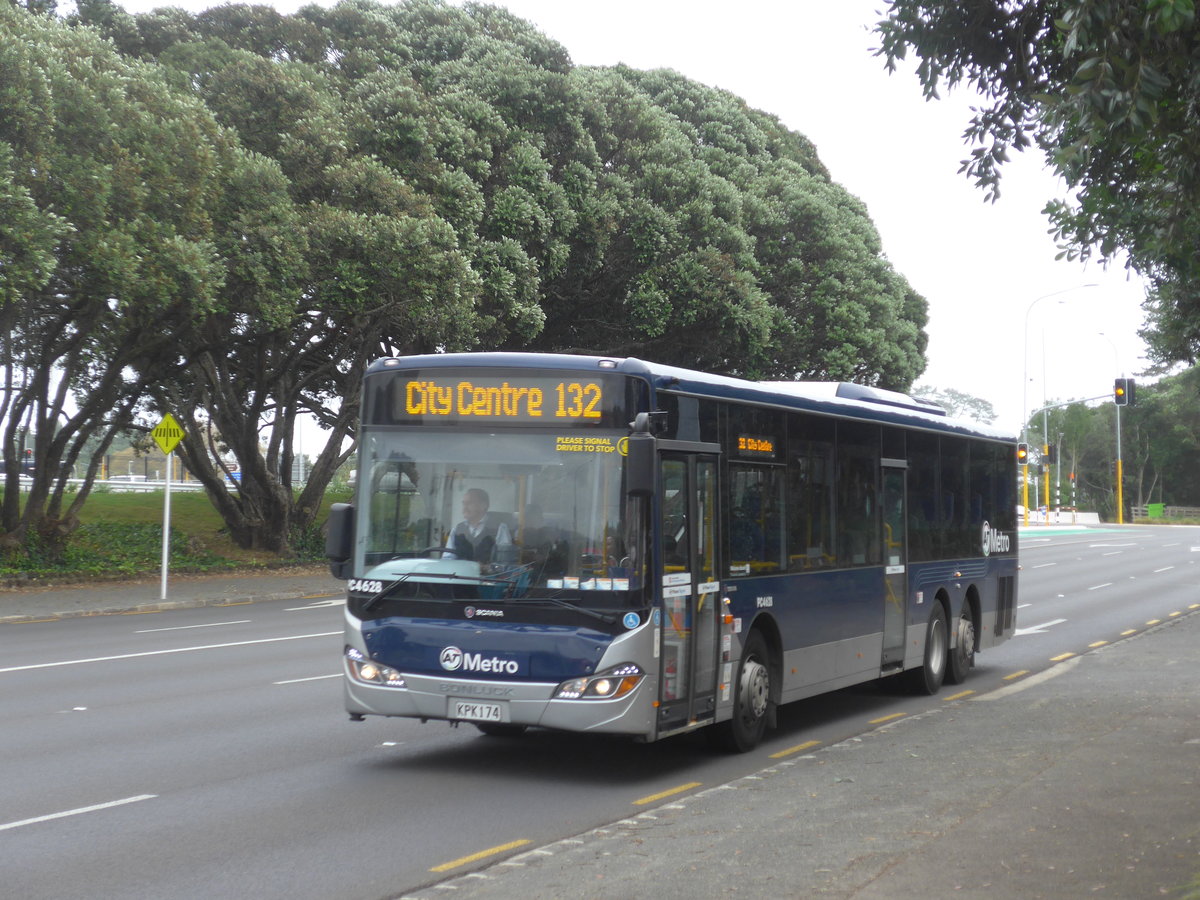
(456, 515)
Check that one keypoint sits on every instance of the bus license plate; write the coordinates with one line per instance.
(476, 712)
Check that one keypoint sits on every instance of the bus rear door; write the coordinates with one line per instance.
(895, 559)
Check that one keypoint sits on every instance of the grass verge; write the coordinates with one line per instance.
(120, 536)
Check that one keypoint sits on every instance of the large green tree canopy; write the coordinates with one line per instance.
(365, 179)
(1108, 90)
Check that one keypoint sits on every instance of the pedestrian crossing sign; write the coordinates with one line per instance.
(167, 433)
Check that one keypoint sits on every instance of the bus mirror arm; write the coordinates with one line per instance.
(339, 539)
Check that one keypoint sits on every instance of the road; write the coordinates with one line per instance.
(203, 753)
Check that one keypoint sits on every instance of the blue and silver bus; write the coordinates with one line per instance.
(611, 545)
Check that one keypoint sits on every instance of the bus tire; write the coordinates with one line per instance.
(962, 657)
(928, 678)
(751, 699)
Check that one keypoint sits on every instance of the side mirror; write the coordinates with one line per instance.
(640, 465)
(339, 539)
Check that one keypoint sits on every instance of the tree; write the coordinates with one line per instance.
(105, 236)
(1106, 89)
(958, 403)
(422, 177)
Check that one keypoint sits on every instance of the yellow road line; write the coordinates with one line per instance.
(1061, 657)
(1097, 644)
(790, 750)
(1174, 614)
(1154, 621)
(1128, 631)
(1016, 675)
(957, 696)
(482, 854)
(883, 719)
(667, 793)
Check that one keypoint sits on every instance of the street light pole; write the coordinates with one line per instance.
(1025, 390)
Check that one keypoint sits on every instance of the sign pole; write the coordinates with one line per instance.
(167, 434)
(166, 542)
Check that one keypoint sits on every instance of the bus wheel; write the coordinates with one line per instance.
(751, 700)
(491, 729)
(962, 657)
(928, 679)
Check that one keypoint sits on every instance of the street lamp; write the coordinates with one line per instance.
(1025, 396)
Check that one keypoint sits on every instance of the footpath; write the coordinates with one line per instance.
(1079, 782)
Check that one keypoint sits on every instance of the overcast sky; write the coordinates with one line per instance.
(982, 267)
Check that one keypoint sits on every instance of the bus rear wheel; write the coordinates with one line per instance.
(751, 699)
(928, 679)
(962, 657)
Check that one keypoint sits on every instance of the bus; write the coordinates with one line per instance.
(610, 545)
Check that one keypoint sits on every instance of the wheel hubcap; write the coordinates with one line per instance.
(756, 689)
(966, 639)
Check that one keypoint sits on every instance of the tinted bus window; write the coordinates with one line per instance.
(858, 495)
(810, 493)
(924, 534)
(755, 520)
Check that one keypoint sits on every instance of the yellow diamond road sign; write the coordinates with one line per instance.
(167, 433)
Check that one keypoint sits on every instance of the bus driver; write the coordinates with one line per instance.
(479, 535)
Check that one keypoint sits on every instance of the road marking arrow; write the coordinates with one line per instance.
(1038, 629)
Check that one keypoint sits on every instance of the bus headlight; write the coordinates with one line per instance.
(607, 685)
(370, 672)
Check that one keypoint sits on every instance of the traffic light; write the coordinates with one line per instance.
(1022, 454)
(1052, 453)
(1123, 391)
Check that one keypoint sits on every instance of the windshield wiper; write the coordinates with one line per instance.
(558, 601)
(510, 583)
(510, 586)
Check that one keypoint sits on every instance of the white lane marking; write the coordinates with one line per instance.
(320, 604)
(186, 627)
(1164, 569)
(77, 662)
(313, 678)
(77, 812)
(1045, 565)
(1097, 587)
(1033, 680)
(1038, 629)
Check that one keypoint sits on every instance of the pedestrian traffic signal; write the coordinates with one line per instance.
(1022, 454)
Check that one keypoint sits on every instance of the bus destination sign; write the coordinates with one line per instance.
(756, 446)
(521, 400)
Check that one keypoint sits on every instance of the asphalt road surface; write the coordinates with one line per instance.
(204, 752)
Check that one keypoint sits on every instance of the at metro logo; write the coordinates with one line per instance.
(994, 540)
(455, 660)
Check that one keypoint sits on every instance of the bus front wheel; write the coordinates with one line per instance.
(928, 678)
(751, 699)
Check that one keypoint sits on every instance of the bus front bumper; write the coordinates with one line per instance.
(501, 702)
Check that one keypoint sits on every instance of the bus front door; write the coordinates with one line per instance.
(895, 558)
(690, 590)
